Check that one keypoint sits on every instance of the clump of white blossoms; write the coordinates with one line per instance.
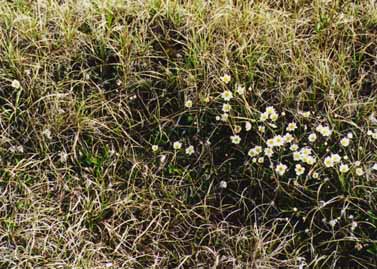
(281, 169)
(190, 150)
(324, 130)
(359, 171)
(177, 145)
(188, 104)
(226, 78)
(312, 137)
(236, 139)
(255, 151)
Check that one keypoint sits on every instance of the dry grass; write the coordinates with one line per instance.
(103, 81)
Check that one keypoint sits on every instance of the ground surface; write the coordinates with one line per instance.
(271, 105)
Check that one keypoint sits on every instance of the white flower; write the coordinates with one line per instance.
(359, 171)
(308, 160)
(333, 222)
(263, 116)
(315, 175)
(357, 163)
(227, 95)
(281, 168)
(297, 156)
(312, 137)
(162, 158)
(369, 132)
(374, 167)
(306, 151)
(63, 156)
(274, 116)
(154, 148)
(299, 169)
(236, 139)
(353, 225)
(291, 127)
(224, 117)
(188, 104)
(227, 107)
(247, 126)
(47, 133)
(177, 145)
(288, 138)
(374, 135)
(261, 160)
(329, 162)
(343, 168)
(278, 140)
(270, 110)
(240, 90)
(226, 78)
(324, 130)
(190, 150)
(16, 84)
(336, 158)
(261, 129)
(350, 135)
(268, 152)
(293, 147)
(223, 184)
(270, 142)
(345, 141)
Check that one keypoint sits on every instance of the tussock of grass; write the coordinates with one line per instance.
(88, 87)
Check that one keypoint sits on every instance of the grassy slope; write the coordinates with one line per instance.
(109, 80)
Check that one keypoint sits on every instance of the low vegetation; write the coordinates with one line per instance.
(188, 134)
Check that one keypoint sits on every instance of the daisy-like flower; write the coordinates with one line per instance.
(312, 137)
(328, 162)
(288, 138)
(315, 175)
(236, 139)
(345, 141)
(297, 156)
(278, 140)
(224, 117)
(240, 89)
(343, 168)
(263, 116)
(324, 130)
(255, 151)
(16, 84)
(190, 150)
(227, 95)
(374, 167)
(177, 145)
(308, 160)
(188, 104)
(268, 152)
(306, 151)
(261, 160)
(333, 222)
(270, 110)
(350, 135)
(291, 127)
(299, 169)
(226, 107)
(359, 171)
(261, 129)
(336, 158)
(270, 142)
(154, 148)
(357, 163)
(247, 126)
(293, 147)
(281, 169)
(274, 116)
(226, 78)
